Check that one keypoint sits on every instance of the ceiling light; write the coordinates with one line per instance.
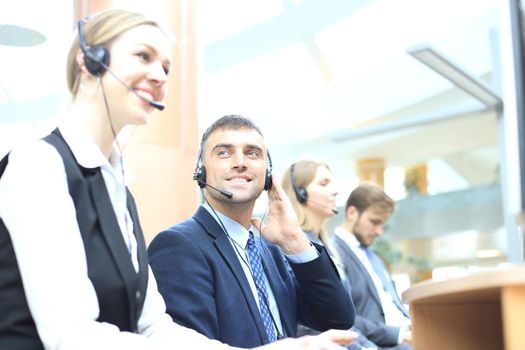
(11, 35)
(457, 76)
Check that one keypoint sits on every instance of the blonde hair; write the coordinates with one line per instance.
(102, 29)
(303, 174)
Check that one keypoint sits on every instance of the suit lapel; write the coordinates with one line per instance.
(362, 269)
(390, 286)
(142, 254)
(111, 231)
(226, 251)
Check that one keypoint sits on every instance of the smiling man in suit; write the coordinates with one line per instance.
(222, 277)
(380, 315)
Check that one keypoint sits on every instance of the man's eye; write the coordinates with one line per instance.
(144, 56)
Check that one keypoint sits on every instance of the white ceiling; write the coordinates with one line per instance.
(353, 72)
(303, 70)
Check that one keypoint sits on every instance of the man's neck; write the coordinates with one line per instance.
(240, 212)
(348, 226)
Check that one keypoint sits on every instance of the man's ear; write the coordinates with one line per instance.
(351, 213)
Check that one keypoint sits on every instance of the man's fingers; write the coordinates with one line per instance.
(339, 336)
(258, 223)
(318, 343)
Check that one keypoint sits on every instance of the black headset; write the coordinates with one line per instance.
(96, 58)
(300, 191)
(199, 174)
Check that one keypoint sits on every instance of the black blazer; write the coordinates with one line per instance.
(205, 288)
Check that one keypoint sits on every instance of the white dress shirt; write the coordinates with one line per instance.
(238, 235)
(393, 316)
(40, 215)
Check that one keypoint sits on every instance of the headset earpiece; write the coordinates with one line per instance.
(92, 58)
(300, 192)
(302, 195)
(268, 177)
(96, 58)
(199, 174)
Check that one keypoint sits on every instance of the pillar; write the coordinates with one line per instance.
(162, 153)
(84, 8)
(371, 169)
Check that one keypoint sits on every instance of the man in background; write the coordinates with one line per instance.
(380, 315)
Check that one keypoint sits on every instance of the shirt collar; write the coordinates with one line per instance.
(86, 151)
(237, 232)
(348, 237)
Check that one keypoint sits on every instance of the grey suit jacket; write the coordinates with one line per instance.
(370, 318)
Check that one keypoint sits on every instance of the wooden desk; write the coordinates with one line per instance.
(485, 310)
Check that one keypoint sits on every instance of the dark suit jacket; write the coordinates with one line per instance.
(205, 288)
(370, 319)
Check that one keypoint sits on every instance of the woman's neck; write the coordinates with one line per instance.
(316, 227)
(316, 223)
(96, 121)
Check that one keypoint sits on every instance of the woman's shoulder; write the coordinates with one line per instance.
(34, 150)
(32, 159)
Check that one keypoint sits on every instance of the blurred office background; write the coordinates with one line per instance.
(344, 82)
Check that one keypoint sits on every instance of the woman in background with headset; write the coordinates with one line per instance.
(310, 187)
(73, 260)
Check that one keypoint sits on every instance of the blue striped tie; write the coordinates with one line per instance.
(258, 276)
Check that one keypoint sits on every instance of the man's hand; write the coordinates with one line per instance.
(329, 340)
(282, 227)
(340, 337)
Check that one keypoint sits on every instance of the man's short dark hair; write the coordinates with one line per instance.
(370, 195)
(229, 122)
